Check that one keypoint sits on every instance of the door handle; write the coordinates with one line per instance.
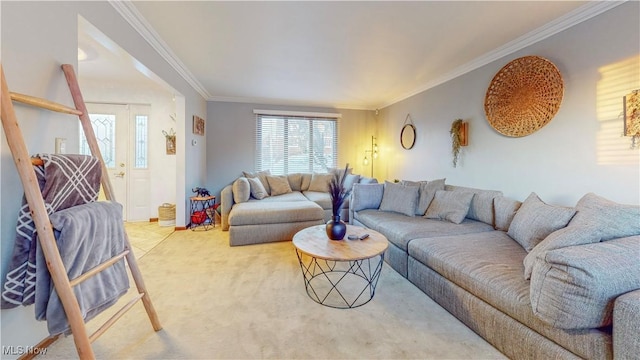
(120, 174)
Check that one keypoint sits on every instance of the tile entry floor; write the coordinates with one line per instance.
(144, 236)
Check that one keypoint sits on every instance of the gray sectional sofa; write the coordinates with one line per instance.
(260, 207)
(536, 281)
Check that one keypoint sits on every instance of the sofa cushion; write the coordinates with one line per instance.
(399, 198)
(576, 286)
(367, 180)
(320, 182)
(505, 210)
(535, 220)
(262, 175)
(400, 229)
(449, 205)
(481, 207)
(427, 192)
(292, 196)
(257, 189)
(241, 190)
(487, 264)
(597, 219)
(321, 198)
(626, 317)
(295, 181)
(272, 212)
(279, 184)
(367, 196)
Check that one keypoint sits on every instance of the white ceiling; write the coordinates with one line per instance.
(360, 55)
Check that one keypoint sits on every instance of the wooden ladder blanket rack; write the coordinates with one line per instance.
(46, 237)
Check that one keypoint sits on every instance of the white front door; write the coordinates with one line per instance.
(139, 185)
(121, 131)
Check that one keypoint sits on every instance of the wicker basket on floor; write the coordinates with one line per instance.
(167, 214)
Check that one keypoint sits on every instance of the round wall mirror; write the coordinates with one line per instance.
(408, 136)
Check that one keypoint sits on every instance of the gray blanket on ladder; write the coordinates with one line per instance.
(65, 181)
(87, 235)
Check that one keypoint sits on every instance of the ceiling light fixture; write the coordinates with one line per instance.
(82, 55)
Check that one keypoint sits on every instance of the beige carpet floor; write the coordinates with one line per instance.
(219, 302)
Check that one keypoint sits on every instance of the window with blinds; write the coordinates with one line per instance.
(288, 144)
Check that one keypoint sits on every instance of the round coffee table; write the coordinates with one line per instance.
(340, 273)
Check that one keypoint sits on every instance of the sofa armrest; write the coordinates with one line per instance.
(226, 202)
(626, 325)
(575, 287)
(365, 196)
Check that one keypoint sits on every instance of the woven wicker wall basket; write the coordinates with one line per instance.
(524, 96)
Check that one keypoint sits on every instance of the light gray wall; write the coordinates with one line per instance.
(579, 151)
(36, 38)
(231, 139)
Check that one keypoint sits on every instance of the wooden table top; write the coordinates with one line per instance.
(202, 198)
(314, 241)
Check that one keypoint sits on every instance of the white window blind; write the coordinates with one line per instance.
(288, 144)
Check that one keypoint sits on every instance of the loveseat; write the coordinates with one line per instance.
(535, 280)
(260, 207)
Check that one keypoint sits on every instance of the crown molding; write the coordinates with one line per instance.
(297, 113)
(128, 11)
(267, 101)
(583, 13)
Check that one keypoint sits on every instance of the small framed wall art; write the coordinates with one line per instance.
(198, 125)
(632, 117)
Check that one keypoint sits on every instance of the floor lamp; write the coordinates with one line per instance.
(374, 153)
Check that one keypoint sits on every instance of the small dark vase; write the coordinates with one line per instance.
(336, 229)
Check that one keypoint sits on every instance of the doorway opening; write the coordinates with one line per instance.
(116, 84)
(122, 132)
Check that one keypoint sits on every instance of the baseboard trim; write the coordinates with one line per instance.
(153, 219)
(180, 228)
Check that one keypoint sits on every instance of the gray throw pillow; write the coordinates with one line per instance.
(350, 180)
(295, 181)
(481, 207)
(257, 189)
(262, 175)
(399, 198)
(505, 209)
(241, 190)
(339, 171)
(367, 196)
(306, 181)
(427, 193)
(614, 220)
(279, 185)
(452, 206)
(320, 182)
(535, 220)
(597, 219)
